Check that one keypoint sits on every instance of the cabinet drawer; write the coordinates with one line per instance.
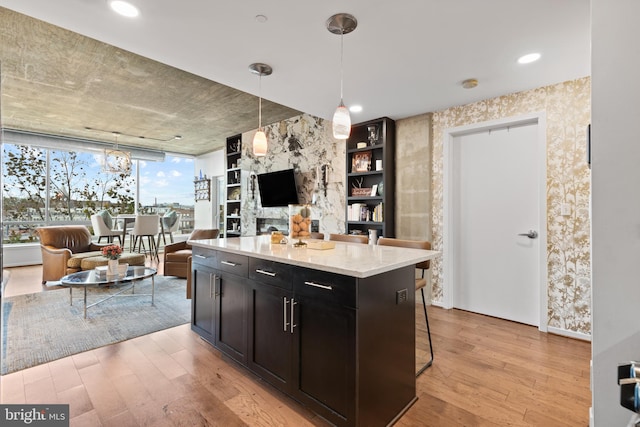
(202, 256)
(330, 287)
(233, 263)
(271, 273)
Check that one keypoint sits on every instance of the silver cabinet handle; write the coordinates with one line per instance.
(532, 234)
(318, 285)
(266, 273)
(293, 304)
(211, 279)
(284, 311)
(200, 256)
(216, 282)
(232, 264)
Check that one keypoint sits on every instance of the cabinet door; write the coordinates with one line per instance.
(202, 301)
(324, 349)
(231, 315)
(270, 334)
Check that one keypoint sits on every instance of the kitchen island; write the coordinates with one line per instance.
(334, 329)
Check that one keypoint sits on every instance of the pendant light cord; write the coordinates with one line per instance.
(341, 63)
(260, 102)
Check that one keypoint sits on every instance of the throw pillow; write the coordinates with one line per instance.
(170, 219)
(106, 217)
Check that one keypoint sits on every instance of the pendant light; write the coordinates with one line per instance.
(341, 23)
(260, 138)
(116, 161)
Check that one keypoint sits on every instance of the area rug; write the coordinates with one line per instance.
(42, 327)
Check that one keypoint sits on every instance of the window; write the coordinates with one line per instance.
(45, 186)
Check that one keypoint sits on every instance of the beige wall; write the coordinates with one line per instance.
(567, 108)
(413, 178)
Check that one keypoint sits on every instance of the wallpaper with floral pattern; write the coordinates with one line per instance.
(568, 109)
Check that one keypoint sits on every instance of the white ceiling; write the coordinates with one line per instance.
(406, 57)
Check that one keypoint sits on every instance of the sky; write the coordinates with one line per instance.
(168, 182)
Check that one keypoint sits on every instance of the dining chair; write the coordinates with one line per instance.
(169, 223)
(421, 282)
(146, 226)
(101, 230)
(351, 238)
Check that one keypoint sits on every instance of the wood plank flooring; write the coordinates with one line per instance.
(486, 372)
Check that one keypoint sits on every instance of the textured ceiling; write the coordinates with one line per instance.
(58, 82)
(405, 58)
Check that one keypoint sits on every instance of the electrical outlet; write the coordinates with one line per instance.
(401, 296)
(565, 209)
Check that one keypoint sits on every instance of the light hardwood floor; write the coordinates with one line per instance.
(487, 372)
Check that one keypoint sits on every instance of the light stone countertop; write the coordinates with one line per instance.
(350, 259)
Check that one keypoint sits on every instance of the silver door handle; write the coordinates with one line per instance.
(532, 234)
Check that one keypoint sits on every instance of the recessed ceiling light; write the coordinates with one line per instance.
(355, 108)
(124, 8)
(528, 58)
(261, 18)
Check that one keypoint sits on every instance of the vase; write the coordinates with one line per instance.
(112, 267)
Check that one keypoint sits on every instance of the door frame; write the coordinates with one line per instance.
(449, 237)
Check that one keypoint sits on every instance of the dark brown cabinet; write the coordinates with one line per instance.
(371, 178)
(270, 330)
(270, 335)
(328, 340)
(324, 350)
(202, 301)
(231, 305)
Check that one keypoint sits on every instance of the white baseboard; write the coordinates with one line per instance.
(570, 334)
(550, 329)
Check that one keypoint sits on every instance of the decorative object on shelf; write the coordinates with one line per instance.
(381, 189)
(341, 23)
(361, 145)
(235, 194)
(202, 188)
(115, 160)
(372, 134)
(360, 191)
(260, 138)
(378, 165)
(361, 162)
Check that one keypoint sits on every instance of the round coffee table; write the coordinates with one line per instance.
(91, 278)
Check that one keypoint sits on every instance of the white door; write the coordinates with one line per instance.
(496, 202)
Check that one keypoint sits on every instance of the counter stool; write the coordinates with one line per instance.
(351, 238)
(421, 282)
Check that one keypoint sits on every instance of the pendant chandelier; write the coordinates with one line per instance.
(341, 23)
(116, 161)
(260, 138)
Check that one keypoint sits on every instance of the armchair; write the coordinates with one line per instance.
(177, 256)
(63, 249)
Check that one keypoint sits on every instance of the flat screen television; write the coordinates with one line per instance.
(278, 189)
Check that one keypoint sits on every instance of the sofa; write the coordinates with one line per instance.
(177, 256)
(68, 249)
